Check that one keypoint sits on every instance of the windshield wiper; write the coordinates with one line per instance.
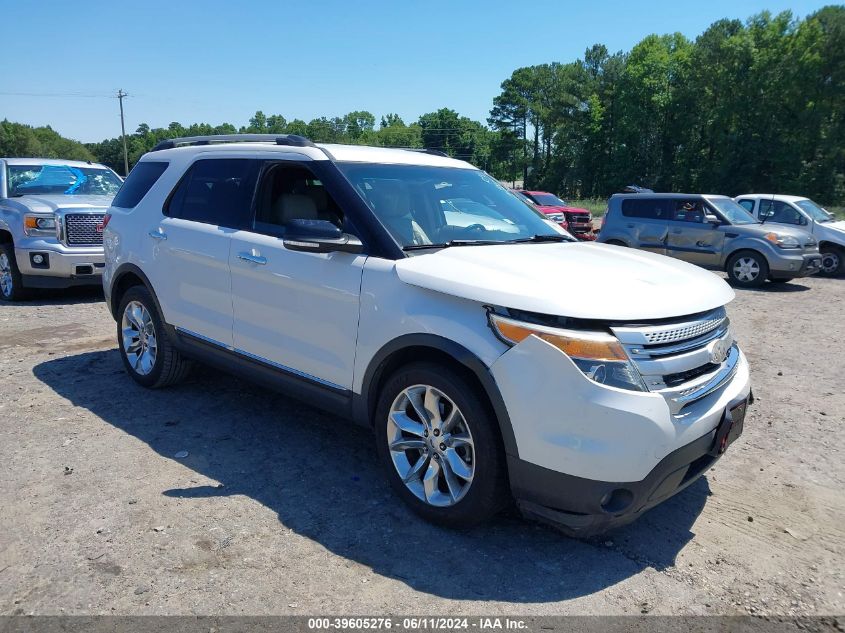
(541, 238)
(523, 240)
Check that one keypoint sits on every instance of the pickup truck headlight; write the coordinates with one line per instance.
(783, 241)
(598, 355)
(39, 225)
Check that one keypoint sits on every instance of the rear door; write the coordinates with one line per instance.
(295, 311)
(644, 223)
(691, 238)
(191, 253)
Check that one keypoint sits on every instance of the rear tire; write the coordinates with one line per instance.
(147, 353)
(11, 283)
(440, 446)
(747, 269)
(833, 261)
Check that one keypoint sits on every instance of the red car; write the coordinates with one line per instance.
(579, 221)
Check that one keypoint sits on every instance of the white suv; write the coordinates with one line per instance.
(494, 359)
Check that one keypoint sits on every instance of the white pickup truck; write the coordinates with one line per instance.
(802, 212)
(51, 219)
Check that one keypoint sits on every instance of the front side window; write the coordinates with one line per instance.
(215, 191)
(292, 192)
(732, 212)
(689, 211)
(780, 212)
(423, 205)
(68, 180)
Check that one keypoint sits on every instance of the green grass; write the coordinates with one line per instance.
(596, 206)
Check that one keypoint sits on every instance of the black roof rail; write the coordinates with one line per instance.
(426, 150)
(279, 139)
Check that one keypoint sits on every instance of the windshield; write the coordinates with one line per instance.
(61, 179)
(732, 212)
(814, 211)
(548, 200)
(423, 205)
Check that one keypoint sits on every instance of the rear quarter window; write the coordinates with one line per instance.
(138, 183)
(650, 209)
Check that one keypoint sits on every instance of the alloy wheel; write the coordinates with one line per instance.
(6, 281)
(138, 337)
(746, 269)
(431, 445)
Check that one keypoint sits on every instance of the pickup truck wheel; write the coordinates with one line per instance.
(747, 269)
(11, 285)
(147, 353)
(440, 446)
(833, 261)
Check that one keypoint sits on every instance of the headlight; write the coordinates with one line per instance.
(598, 355)
(784, 241)
(39, 225)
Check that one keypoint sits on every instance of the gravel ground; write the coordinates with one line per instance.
(280, 509)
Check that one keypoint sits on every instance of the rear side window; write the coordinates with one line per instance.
(747, 204)
(138, 183)
(651, 209)
(215, 191)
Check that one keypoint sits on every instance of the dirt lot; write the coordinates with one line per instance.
(280, 509)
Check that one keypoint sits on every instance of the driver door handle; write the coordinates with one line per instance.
(253, 258)
(158, 234)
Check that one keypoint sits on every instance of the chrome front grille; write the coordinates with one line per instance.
(83, 229)
(684, 360)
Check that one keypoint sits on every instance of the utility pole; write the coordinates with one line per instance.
(120, 96)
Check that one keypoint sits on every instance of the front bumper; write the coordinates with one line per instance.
(61, 267)
(585, 507)
(797, 265)
(578, 442)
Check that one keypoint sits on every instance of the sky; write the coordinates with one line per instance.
(216, 61)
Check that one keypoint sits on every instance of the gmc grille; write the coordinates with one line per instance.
(81, 229)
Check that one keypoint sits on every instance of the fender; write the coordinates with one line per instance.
(363, 404)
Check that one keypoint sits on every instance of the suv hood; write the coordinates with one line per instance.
(759, 230)
(48, 203)
(558, 209)
(579, 280)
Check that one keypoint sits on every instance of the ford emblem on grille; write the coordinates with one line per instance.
(719, 351)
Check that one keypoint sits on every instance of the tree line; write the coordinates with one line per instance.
(747, 106)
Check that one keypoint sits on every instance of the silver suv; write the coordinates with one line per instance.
(51, 223)
(713, 232)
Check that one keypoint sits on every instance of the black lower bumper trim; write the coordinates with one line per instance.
(584, 507)
(43, 281)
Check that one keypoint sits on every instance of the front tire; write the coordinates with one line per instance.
(747, 269)
(11, 283)
(440, 446)
(833, 261)
(147, 353)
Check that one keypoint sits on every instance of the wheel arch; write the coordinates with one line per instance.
(6, 237)
(411, 348)
(829, 244)
(124, 278)
(739, 251)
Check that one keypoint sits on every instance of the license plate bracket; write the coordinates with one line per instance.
(730, 428)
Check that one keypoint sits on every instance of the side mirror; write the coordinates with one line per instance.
(319, 236)
(712, 219)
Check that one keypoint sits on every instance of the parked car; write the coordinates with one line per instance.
(51, 215)
(558, 217)
(475, 215)
(804, 213)
(579, 221)
(333, 273)
(713, 232)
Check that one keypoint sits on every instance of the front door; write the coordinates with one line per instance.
(693, 239)
(295, 311)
